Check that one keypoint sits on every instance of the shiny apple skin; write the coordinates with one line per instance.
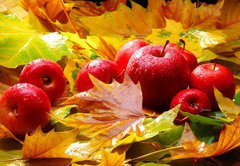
(205, 77)
(104, 70)
(127, 50)
(24, 107)
(189, 56)
(192, 101)
(45, 74)
(161, 75)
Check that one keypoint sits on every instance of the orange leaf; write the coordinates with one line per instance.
(48, 145)
(229, 21)
(50, 10)
(115, 110)
(193, 148)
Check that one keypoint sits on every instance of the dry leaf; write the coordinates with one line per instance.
(111, 112)
(125, 21)
(187, 13)
(229, 21)
(193, 148)
(49, 10)
(48, 145)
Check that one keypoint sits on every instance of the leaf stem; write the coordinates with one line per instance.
(73, 25)
(153, 153)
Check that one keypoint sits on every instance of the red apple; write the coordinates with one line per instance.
(23, 107)
(189, 57)
(161, 73)
(207, 76)
(192, 100)
(104, 70)
(127, 50)
(45, 74)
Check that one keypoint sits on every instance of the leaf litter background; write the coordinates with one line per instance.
(107, 125)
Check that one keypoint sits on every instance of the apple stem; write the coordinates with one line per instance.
(214, 66)
(183, 42)
(164, 48)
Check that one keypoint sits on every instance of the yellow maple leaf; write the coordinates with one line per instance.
(196, 40)
(190, 15)
(125, 21)
(193, 148)
(110, 112)
(48, 145)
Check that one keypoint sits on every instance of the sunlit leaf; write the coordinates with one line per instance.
(109, 158)
(48, 145)
(226, 105)
(134, 20)
(162, 123)
(111, 112)
(196, 40)
(19, 44)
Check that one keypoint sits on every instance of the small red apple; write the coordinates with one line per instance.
(127, 50)
(192, 100)
(24, 107)
(189, 57)
(104, 70)
(45, 74)
(207, 76)
(161, 72)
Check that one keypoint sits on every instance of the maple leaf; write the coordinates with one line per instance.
(111, 111)
(48, 145)
(193, 148)
(134, 20)
(190, 15)
(196, 40)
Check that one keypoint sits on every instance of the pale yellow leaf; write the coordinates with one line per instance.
(226, 105)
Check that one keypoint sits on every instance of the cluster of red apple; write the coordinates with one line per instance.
(26, 105)
(165, 73)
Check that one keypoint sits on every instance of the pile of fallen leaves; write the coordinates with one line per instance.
(107, 124)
